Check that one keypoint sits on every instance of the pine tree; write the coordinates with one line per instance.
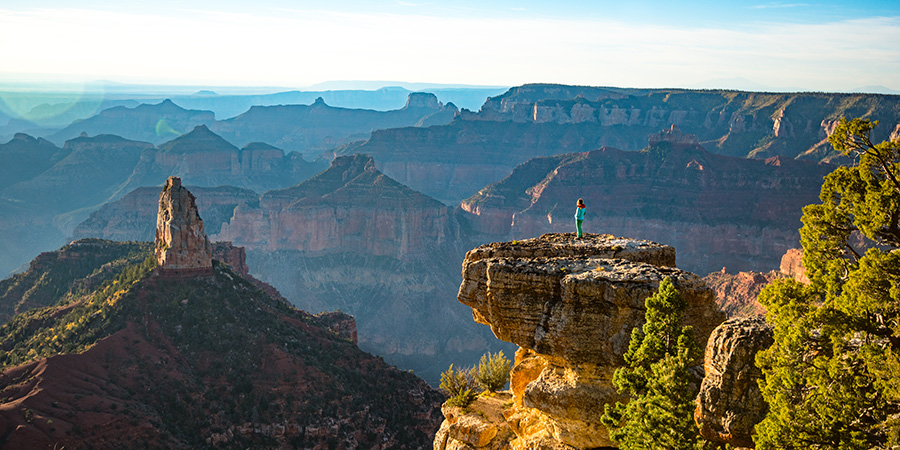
(831, 377)
(657, 376)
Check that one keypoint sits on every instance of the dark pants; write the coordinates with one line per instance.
(578, 226)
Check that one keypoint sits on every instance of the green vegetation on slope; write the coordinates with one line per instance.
(204, 356)
(69, 272)
(52, 330)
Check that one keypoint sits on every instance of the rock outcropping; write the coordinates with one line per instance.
(181, 242)
(730, 404)
(570, 306)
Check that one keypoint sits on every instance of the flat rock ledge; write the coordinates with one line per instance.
(570, 305)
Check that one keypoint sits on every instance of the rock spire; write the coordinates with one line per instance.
(181, 242)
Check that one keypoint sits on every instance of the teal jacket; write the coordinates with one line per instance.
(579, 213)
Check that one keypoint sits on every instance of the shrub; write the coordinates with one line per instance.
(493, 372)
(463, 399)
(455, 381)
(460, 385)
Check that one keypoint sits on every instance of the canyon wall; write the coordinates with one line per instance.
(543, 120)
(719, 211)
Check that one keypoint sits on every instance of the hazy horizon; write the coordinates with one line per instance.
(823, 46)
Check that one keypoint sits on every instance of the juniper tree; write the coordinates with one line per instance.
(831, 377)
(658, 379)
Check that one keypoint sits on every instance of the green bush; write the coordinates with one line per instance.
(463, 399)
(456, 381)
(460, 385)
(493, 372)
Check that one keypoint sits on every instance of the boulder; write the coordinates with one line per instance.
(730, 404)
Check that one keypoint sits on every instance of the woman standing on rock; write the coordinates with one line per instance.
(579, 218)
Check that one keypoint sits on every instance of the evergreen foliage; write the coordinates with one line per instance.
(657, 376)
(830, 378)
(492, 373)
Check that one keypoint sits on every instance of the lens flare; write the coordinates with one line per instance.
(163, 128)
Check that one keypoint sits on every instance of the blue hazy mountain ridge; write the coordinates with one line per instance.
(42, 113)
(379, 98)
(310, 129)
(316, 128)
(48, 190)
(149, 123)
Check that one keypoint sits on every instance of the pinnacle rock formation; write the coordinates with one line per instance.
(181, 242)
(730, 404)
(570, 306)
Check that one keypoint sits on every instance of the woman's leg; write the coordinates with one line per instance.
(578, 227)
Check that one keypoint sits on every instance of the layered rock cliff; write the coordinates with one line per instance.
(736, 293)
(353, 239)
(755, 124)
(570, 306)
(452, 162)
(718, 210)
(349, 207)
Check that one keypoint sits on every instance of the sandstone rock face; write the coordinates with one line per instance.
(736, 293)
(570, 305)
(181, 242)
(234, 256)
(729, 404)
(481, 426)
(792, 265)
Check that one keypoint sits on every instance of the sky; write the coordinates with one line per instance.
(791, 45)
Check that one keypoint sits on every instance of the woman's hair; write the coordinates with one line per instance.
(580, 201)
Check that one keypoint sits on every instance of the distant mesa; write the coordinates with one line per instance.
(423, 100)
